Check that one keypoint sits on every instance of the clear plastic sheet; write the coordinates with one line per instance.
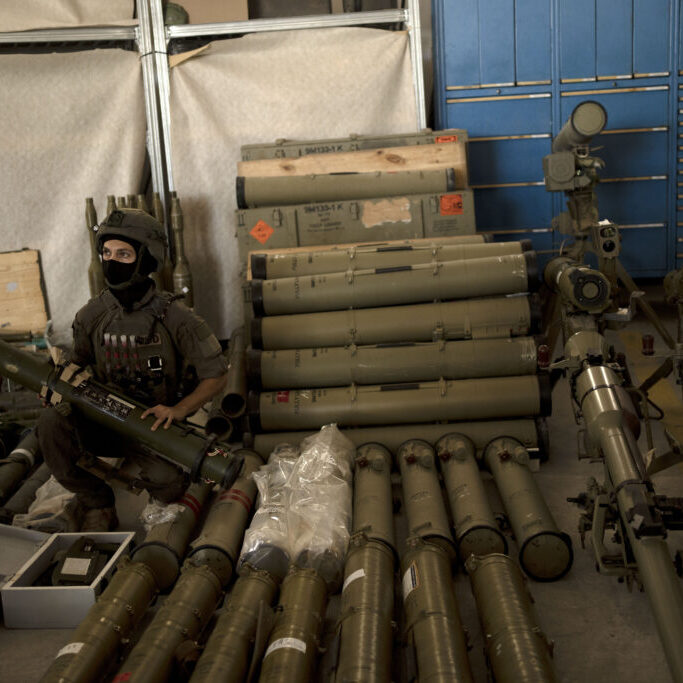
(268, 528)
(320, 498)
(305, 504)
(157, 513)
(54, 510)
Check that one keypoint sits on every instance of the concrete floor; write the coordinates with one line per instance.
(601, 631)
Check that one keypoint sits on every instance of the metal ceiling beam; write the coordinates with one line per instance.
(69, 35)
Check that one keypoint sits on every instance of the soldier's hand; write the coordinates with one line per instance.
(164, 414)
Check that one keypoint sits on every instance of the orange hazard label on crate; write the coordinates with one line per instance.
(261, 232)
(446, 138)
(451, 204)
(282, 397)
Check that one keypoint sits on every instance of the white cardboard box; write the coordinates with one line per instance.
(27, 606)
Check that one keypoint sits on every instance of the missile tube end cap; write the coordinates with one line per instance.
(257, 297)
(547, 556)
(258, 266)
(257, 333)
(526, 244)
(481, 540)
(532, 270)
(253, 361)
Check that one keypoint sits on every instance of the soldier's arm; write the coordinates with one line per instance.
(205, 391)
(200, 348)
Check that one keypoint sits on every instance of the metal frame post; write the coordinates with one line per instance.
(149, 78)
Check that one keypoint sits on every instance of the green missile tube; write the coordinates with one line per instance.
(157, 208)
(532, 433)
(367, 607)
(142, 203)
(131, 200)
(432, 618)
(545, 552)
(373, 514)
(585, 122)
(465, 399)
(20, 501)
(514, 645)
(98, 639)
(294, 640)
(121, 203)
(271, 266)
(255, 192)
(227, 653)
(18, 463)
(208, 568)
(182, 277)
(178, 621)
(95, 274)
(393, 362)
(218, 424)
(111, 203)
(476, 531)
(367, 592)
(584, 288)
(511, 274)
(105, 407)
(470, 319)
(234, 399)
(220, 539)
(425, 509)
(165, 544)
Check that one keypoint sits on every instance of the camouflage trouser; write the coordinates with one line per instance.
(66, 437)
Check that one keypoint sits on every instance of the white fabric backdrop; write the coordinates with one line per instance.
(73, 126)
(296, 84)
(22, 15)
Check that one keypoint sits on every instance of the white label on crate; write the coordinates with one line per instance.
(411, 580)
(291, 643)
(358, 574)
(76, 565)
(70, 649)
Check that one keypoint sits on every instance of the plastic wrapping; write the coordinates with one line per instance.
(267, 534)
(54, 510)
(305, 504)
(157, 513)
(320, 499)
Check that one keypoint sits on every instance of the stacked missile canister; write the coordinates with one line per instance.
(403, 343)
(435, 327)
(353, 189)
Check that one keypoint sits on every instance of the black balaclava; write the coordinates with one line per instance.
(129, 282)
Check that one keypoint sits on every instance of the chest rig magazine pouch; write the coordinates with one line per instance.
(135, 351)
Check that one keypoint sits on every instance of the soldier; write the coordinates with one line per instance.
(148, 345)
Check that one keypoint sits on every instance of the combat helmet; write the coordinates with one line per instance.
(136, 225)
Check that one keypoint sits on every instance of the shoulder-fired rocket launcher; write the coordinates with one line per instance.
(108, 408)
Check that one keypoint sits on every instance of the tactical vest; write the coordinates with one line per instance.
(136, 352)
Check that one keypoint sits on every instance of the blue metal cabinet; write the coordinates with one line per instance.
(512, 71)
(501, 115)
(532, 42)
(614, 44)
